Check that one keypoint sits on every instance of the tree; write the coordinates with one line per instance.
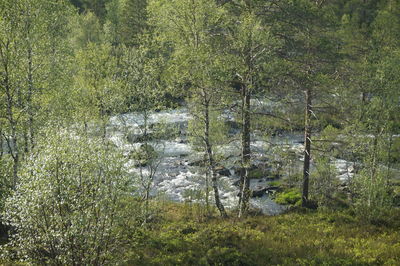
(69, 201)
(139, 74)
(310, 57)
(86, 28)
(10, 57)
(251, 49)
(27, 28)
(98, 7)
(378, 115)
(126, 21)
(192, 30)
(97, 90)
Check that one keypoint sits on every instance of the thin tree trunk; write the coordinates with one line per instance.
(210, 156)
(1, 144)
(103, 121)
(374, 155)
(26, 141)
(244, 196)
(29, 100)
(207, 193)
(307, 147)
(13, 147)
(13, 125)
(389, 156)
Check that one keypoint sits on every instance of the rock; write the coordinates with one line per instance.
(345, 178)
(233, 127)
(236, 170)
(197, 163)
(272, 189)
(273, 177)
(277, 132)
(258, 191)
(222, 171)
(180, 140)
(131, 137)
(255, 173)
(236, 183)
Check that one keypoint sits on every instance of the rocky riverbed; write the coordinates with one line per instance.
(176, 173)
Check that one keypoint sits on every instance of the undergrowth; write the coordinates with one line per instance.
(300, 237)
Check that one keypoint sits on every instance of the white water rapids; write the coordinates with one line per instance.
(177, 178)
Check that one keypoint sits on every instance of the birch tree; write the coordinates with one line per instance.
(191, 29)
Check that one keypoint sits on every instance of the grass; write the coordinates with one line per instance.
(296, 238)
(186, 234)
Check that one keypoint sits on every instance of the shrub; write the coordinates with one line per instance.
(68, 202)
(324, 184)
(371, 195)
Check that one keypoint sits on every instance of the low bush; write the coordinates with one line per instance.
(307, 238)
(289, 197)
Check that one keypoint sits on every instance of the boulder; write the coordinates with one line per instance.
(180, 140)
(272, 189)
(233, 127)
(197, 163)
(258, 191)
(236, 183)
(222, 171)
(273, 177)
(131, 137)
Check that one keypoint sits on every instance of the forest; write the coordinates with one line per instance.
(199, 132)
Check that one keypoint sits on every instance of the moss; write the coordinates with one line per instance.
(289, 197)
(275, 183)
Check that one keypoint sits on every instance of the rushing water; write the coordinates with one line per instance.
(178, 178)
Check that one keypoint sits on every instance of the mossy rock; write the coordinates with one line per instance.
(289, 197)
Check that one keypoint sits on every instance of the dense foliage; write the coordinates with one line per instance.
(69, 202)
(76, 189)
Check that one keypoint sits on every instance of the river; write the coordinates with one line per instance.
(176, 174)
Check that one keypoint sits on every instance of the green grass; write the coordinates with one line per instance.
(186, 234)
(296, 238)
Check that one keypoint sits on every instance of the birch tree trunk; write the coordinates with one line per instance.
(210, 156)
